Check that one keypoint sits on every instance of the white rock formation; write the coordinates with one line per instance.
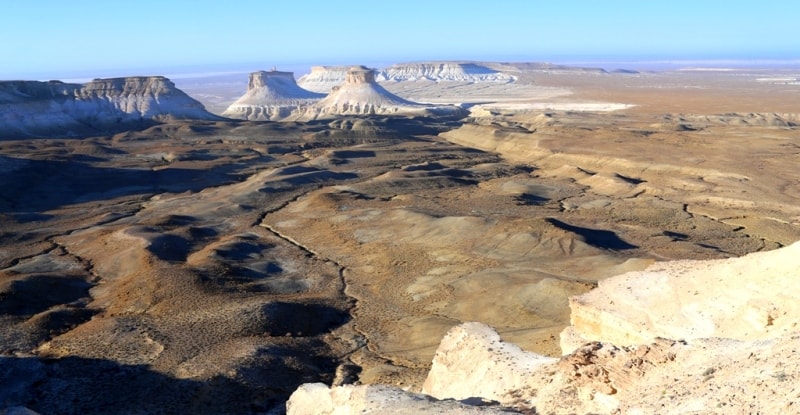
(323, 78)
(361, 95)
(271, 95)
(318, 399)
(32, 108)
(472, 361)
(748, 298)
(665, 377)
(442, 72)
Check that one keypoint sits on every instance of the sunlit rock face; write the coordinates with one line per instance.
(746, 298)
(319, 399)
(33, 108)
(270, 96)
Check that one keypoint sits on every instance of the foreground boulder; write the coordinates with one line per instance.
(472, 361)
(749, 298)
(316, 398)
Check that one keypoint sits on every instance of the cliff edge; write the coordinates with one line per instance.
(748, 298)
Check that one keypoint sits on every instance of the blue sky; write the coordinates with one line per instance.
(57, 38)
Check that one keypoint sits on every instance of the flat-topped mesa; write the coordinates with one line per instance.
(361, 95)
(54, 108)
(443, 72)
(271, 95)
(148, 97)
(259, 79)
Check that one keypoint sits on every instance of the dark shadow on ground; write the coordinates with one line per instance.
(41, 185)
(31, 294)
(595, 237)
(76, 385)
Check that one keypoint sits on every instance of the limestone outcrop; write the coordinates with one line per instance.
(318, 399)
(472, 365)
(271, 95)
(33, 108)
(361, 95)
(747, 298)
(472, 361)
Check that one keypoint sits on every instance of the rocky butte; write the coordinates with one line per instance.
(361, 95)
(32, 108)
(271, 95)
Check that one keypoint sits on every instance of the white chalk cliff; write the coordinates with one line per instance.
(717, 336)
(442, 72)
(32, 108)
(361, 95)
(325, 78)
(271, 95)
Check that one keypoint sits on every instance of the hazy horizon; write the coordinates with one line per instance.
(89, 38)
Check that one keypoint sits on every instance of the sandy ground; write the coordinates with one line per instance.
(216, 266)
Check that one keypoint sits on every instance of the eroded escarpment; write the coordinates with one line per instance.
(54, 108)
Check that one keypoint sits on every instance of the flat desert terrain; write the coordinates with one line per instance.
(214, 266)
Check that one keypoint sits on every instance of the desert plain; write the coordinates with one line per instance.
(213, 266)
